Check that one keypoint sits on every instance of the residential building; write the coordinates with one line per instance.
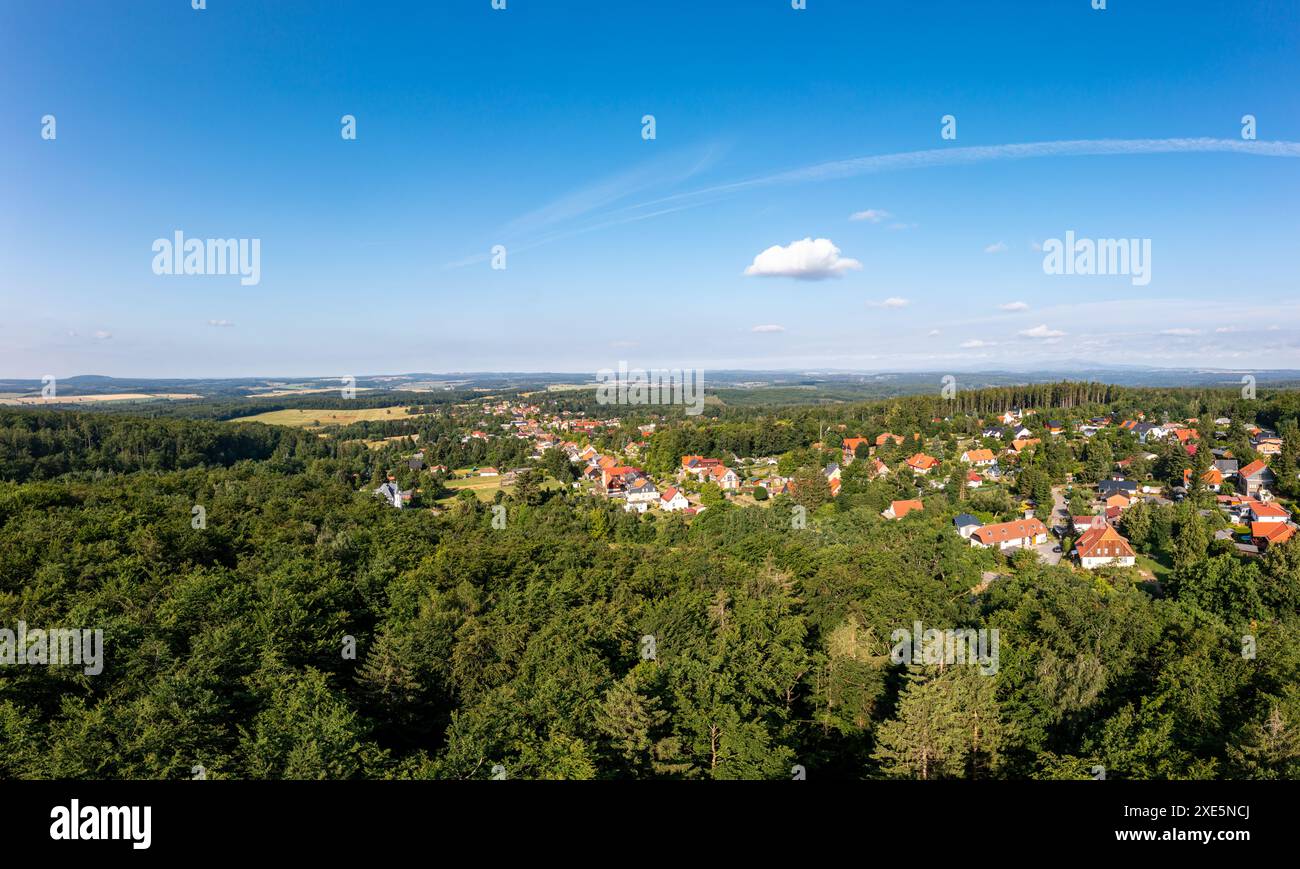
(1010, 535)
(1103, 546)
(899, 509)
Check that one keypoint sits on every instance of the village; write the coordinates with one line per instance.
(1078, 520)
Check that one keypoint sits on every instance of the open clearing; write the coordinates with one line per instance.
(486, 488)
(312, 418)
(88, 399)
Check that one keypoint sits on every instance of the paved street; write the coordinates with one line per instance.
(1060, 516)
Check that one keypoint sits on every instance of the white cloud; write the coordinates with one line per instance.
(1036, 245)
(891, 302)
(875, 215)
(996, 247)
(1180, 331)
(932, 333)
(976, 342)
(768, 328)
(1041, 331)
(221, 323)
(1014, 306)
(1223, 329)
(103, 335)
(808, 260)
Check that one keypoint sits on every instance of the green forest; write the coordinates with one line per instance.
(265, 616)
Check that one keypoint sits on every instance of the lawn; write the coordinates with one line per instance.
(1158, 569)
(312, 418)
(486, 488)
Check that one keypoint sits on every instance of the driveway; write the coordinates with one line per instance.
(1060, 516)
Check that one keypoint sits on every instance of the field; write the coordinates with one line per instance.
(486, 488)
(311, 418)
(87, 399)
(272, 392)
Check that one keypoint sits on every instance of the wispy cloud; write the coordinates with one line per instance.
(1041, 331)
(666, 171)
(986, 153)
(996, 247)
(1014, 306)
(1180, 332)
(891, 302)
(225, 324)
(772, 327)
(596, 199)
(874, 215)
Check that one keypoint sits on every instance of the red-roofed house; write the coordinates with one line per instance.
(672, 499)
(1212, 479)
(1266, 534)
(1254, 478)
(899, 509)
(1103, 546)
(922, 464)
(1261, 512)
(1083, 523)
(849, 446)
(1009, 535)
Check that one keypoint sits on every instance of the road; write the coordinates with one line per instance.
(1060, 516)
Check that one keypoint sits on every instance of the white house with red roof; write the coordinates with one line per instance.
(1009, 535)
(922, 464)
(672, 500)
(1103, 546)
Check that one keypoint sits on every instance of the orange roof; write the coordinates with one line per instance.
(1261, 509)
(880, 439)
(902, 508)
(1014, 530)
(921, 460)
(851, 444)
(979, 455)
(1273, 532)
(1253, 468)
(1019, 445)
(1103, 542)
(1212, 477)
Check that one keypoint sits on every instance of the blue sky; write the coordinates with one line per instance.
(522, 128)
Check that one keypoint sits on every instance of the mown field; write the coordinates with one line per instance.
(486, 488)
(317, 418)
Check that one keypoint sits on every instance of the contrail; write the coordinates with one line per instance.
(987, 153)
(925, 159)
